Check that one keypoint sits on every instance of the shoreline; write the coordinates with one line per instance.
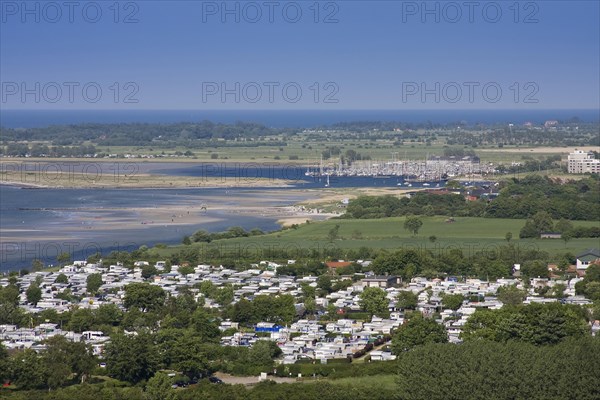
(165, 183)
(29, 187)
(117, 173)
(100, 227)
(158, 160)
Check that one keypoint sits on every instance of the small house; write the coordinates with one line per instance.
(587, 257)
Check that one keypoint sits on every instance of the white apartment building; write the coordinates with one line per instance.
(581, 162)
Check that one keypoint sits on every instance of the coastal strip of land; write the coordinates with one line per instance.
(139, 181)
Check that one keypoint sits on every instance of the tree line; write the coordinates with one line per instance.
(542, 222)
(42, 150)
(490, 370)
(138, 134)
(517, 198)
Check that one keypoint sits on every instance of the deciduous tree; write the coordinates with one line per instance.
(538, 324)
(333, 233)
(407, 300)
(511, 295)
(144, 296)
(94, 281)
(149, 271)
(28, 371)
(63, 258)
(263, 352)
(418, 331)
(159, 388)
(535, 269)
(453, 301)
(374, 301)
(413, 224)
(64, 359)
(131, 358)
(34, 294)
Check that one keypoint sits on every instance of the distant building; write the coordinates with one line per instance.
(338, 264)
(587, 257)
(581, 162)
(550, 235)
(551, 123)
(382, 281)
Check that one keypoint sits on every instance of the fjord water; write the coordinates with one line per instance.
(43, 222)
(39, 223)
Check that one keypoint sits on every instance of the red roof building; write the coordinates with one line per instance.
(338, 264)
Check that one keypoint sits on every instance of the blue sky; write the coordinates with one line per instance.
(378, 55)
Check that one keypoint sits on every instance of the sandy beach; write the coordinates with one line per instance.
(142, 181)
(110, 173)
(328, 196)
(88, 221)
(45, 221)
(182, 211)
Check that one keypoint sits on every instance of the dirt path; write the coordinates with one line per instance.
(362, 358)
(250, 380)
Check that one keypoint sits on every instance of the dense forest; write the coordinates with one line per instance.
(513, 370)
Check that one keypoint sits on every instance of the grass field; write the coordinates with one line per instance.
(310, 152)
(307, 154)
(384, 383)
(468, 234)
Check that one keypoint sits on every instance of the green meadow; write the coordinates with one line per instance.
(470, 234)
(300, 151)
